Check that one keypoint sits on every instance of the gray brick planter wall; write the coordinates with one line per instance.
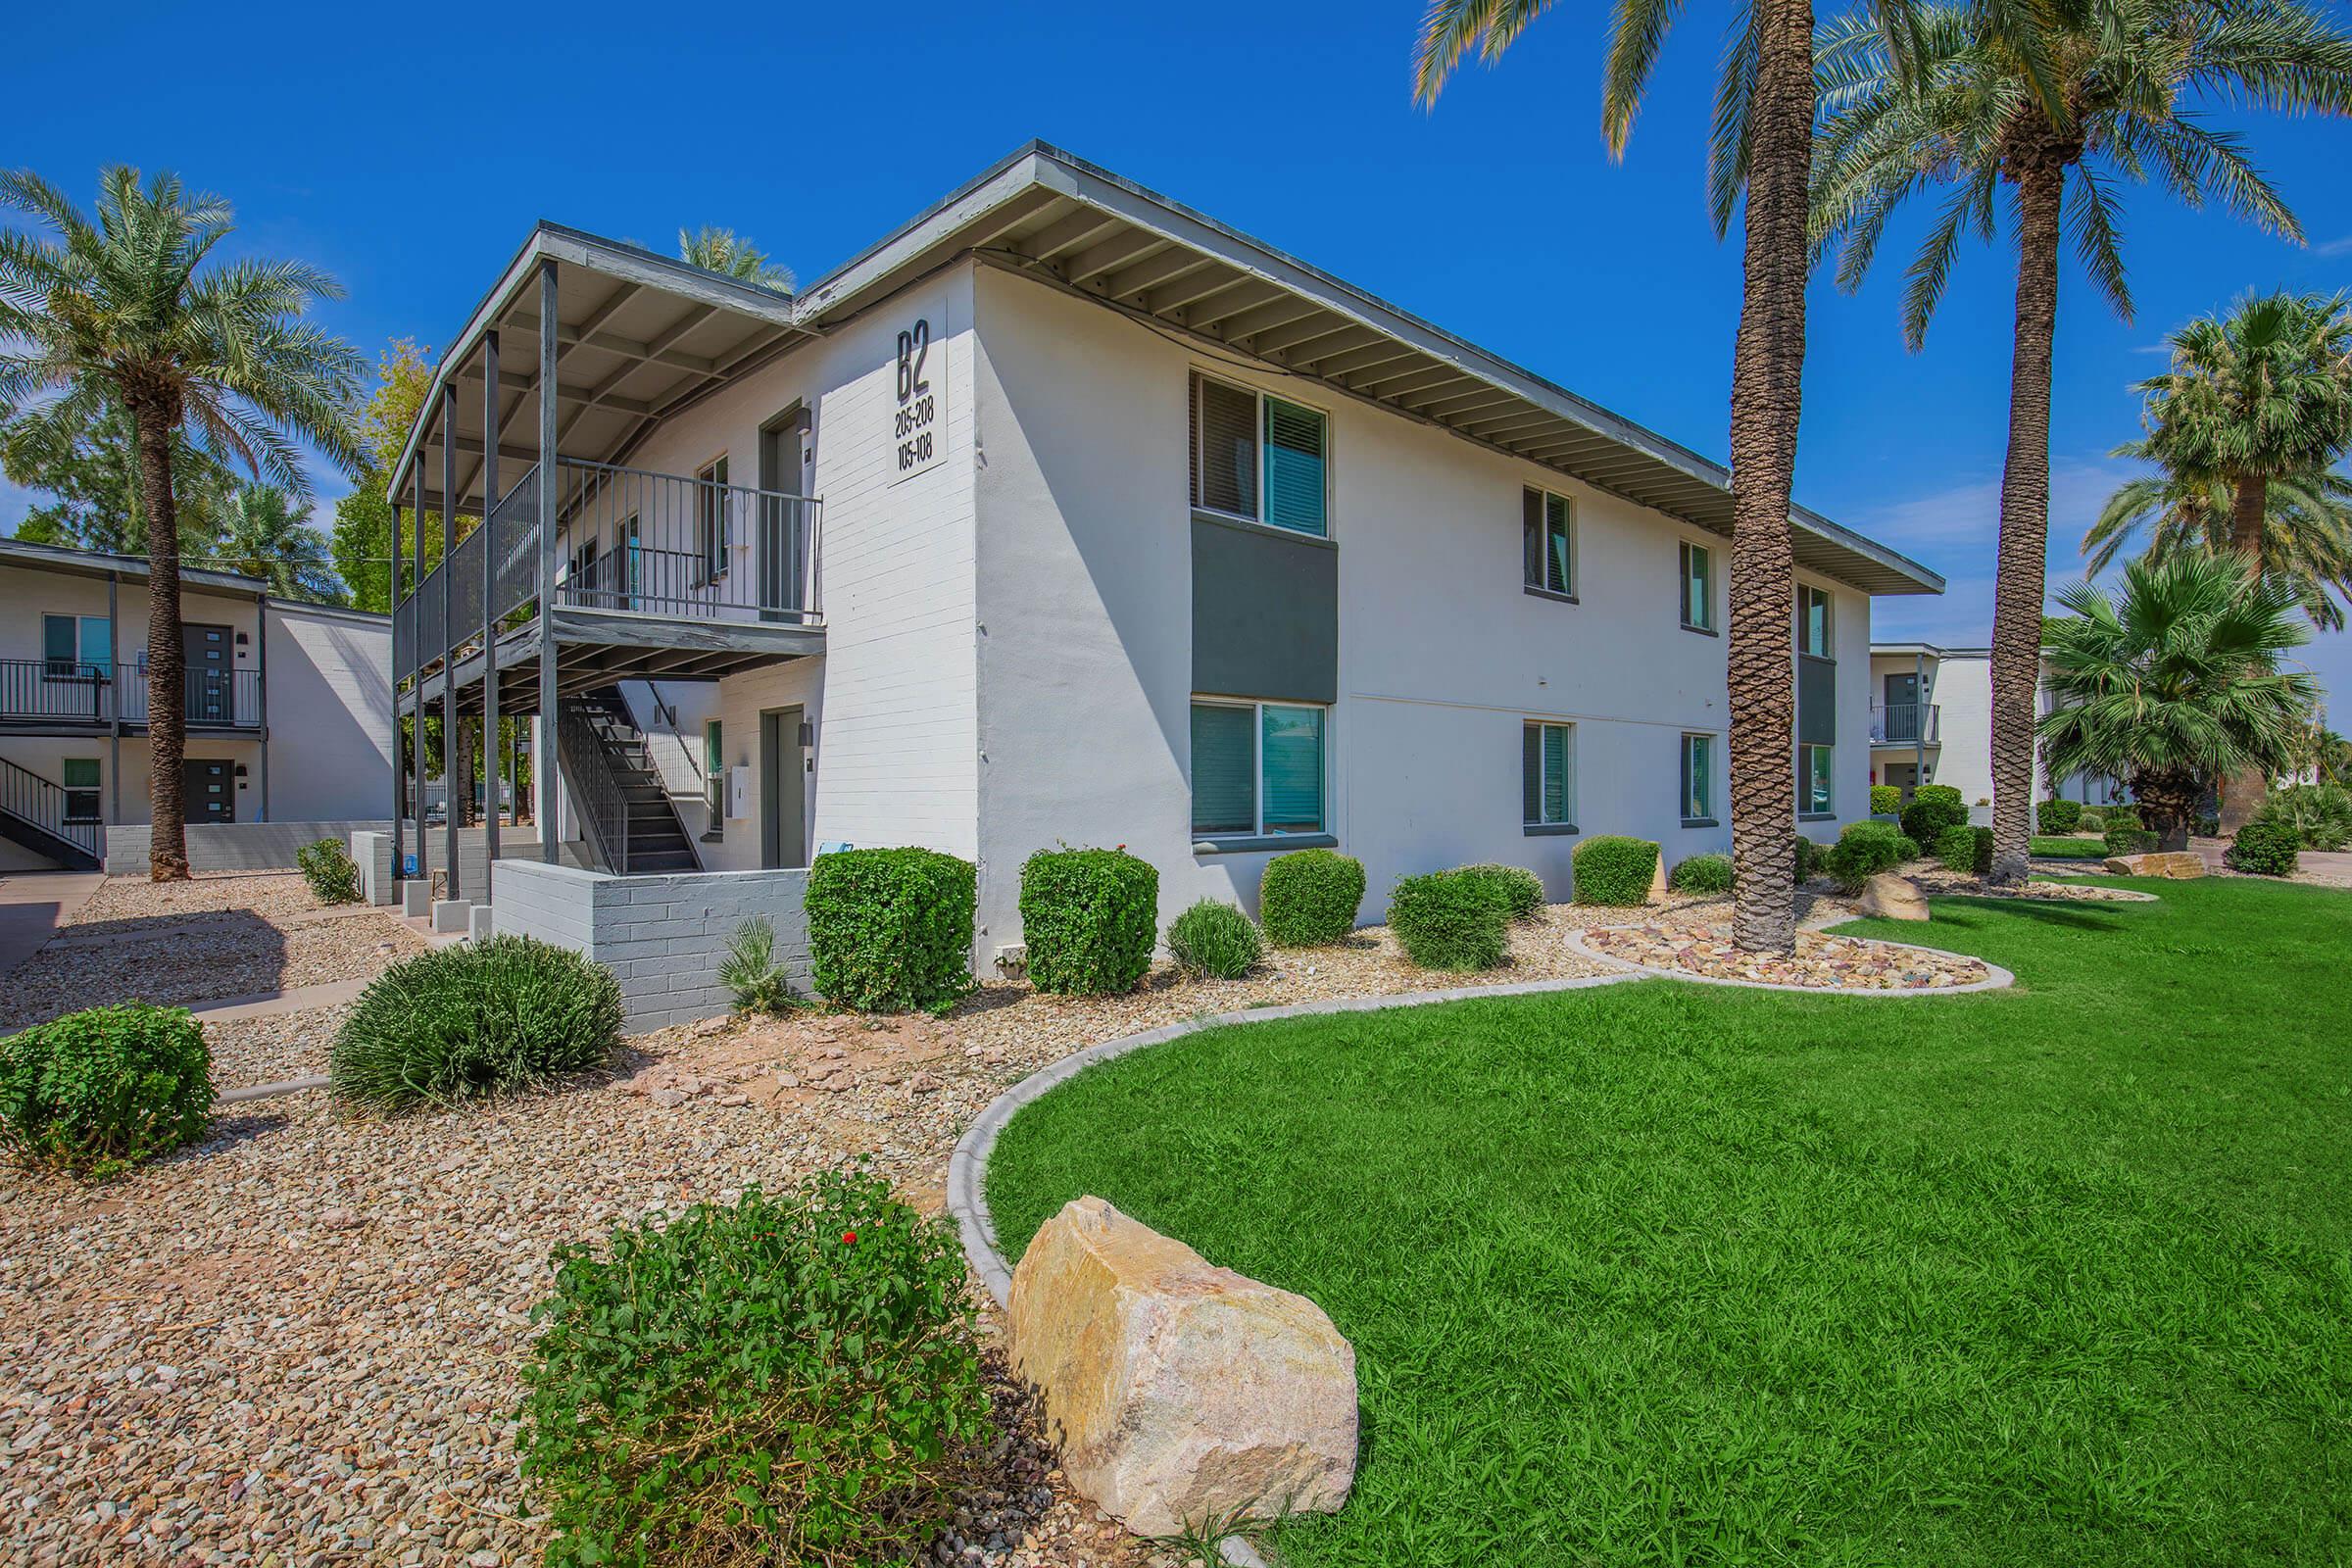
(226, 846)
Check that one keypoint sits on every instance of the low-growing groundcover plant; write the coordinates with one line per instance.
(1703, 873)
(1089, 919)
(329, 870)
(479, 1018)
(1450, 920)
(890, 930)
(1215, 941)
(750, 973)
(1612, 870)
(787, 1379)
(97, 1090)
(1518, 889)
(1308, 899)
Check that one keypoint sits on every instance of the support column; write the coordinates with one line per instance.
(543, 754)
(114, 707)
(449, 632)
(425, 868)
(491, 754)
(261, 689)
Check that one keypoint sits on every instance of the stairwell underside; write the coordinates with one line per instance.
(594, 647)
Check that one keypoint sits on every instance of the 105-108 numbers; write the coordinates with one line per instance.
(919, 406)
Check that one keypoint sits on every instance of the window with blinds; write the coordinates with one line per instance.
(1257, 768)
(1546, 550)
(82, 788)
(1547, 774)
(1698, 587)
(1698, 778)
(1292, 763)
(1224, 768)
(1224, 448)
(1258, 458)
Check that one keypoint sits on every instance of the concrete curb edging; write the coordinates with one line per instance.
(286, 1086)
(1996, 979)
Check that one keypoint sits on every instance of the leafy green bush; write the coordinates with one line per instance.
(1518, 889)
(1613, 870)
(96, 1091)
(1811, 859)
(2058, 818)
(2092, 821)
(479, 1018)
(1450, 920)
(2208, 826)
(1866, 848)
(2123, 816)
(2321, 814)
(1966, 849)
(750, 973)
(2129, 841)
(1308, 899)
(787, 1379)
(1886, 800)
(1090, 919)
(890, 930)
(1709, 873)
(2267, 846)
(329, 870)
(1933, 809)
(1215, 941)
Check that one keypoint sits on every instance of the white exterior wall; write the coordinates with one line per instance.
(1962, 691)
(330, 689)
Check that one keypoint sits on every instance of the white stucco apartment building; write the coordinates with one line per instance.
(288, 706)
(1931, 723)
(1067, 514)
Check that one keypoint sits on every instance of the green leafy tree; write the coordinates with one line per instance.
(367, 532)
(134, 306)
(2110, 92)
(2176, 684)
(81, 455)
(2306, 540)
(722, 250)
(267, 534)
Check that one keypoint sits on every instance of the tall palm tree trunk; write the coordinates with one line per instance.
(155, 419)
(2249, 504)
(1767, 397)
(2023, 552)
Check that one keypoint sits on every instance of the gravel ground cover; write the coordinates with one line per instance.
(206, 961)
(248, 1051)
(1829, 963)
(121, 901)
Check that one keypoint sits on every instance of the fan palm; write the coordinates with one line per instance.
(2305, 543)
(722, 250)
(1965, 109)
(2177, 685)
(132, 306)
(267, 534)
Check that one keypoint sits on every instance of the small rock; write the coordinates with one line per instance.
(923, 1083)
(341, 1219)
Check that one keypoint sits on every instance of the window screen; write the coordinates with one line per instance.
(1224, 448)
(1224, 768)
(1293, 466)
(1293, 769)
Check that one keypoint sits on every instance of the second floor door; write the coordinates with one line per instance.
(211, 661)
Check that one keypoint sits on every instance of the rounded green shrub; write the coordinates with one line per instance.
(2128, 840)
(2267, 846)
(1215, 941)
(2091, 821)
(329, 870)
(1089, 919)
(1518, 889)
(2058, 818)
(1966, 849)
(1886, 800)
(100, 1090)
(1866, 848)
(784, 1379)
(1447, 920)
(1709, 873)
(2123, 816)
(479, 1018)
(1933, 809)
(1614, 870)
(1310, 899)
(890, 930)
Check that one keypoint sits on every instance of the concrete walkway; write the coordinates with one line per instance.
(33, 905)
(269, 1003)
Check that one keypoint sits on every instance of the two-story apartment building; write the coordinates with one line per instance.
(1931, 723)
(288, 704)
(1068, 514)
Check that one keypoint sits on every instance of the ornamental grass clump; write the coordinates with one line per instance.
(476, 1019)
(329, 870)
(99, 1091)
(1089, 919)
(788, 1379)
(1518, 889)
(1613, 870)
(750, 973)
(1215, 941)
(1705, 874)
(2321, 814)
(890, 930)
(1310, 898)
(1450, 920)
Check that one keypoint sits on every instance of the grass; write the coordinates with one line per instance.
(1669, 1274)
(2069, 847)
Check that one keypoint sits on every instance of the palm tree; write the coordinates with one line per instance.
(130, 306)
(2109, 97)
(721, 250)
(2306, 539)
(2177, 685)
(267, 534)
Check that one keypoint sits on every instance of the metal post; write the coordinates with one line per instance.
(113, 684)
(449, 631)
(543, 753)
(261, 688)
(1919, 727)
(425, 858)
(400, 785)
(491, 757)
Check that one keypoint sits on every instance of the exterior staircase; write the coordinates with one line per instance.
(33, 813)
(631, 823)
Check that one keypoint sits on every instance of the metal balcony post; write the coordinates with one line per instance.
(425, 866)
(552, 782)
(491, 756)
(449, 631)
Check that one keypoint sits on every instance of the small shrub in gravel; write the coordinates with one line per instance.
(1518, 889)
(750, 973)
(890, 930)
(2058, 818)
(2268, 845)
(788, 1379)
(1707, 873)
(98, 1091)
(329, 870)
(2129, 841)
(1811, 857)
(1089, 919)
(479, 1018)
(1866, 848)
(1965, 848)
(1308, 899)
(1215, 941)
(1615, 871)
(1933, 809)
(1447, 920)
(1886, 800)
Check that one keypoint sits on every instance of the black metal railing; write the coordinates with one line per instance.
(602, 801)
(57, 691)
(1906, 723)
(51, 807)
(226, 699)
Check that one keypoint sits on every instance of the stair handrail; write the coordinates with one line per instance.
(602, 796)
(29, 798)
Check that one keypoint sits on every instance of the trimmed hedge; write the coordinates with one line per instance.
(1866, 848)
(1614, 870)
(1090, 919)
(1450, 920)
(1215, 941)
(1707, 873)
(2129, 841)
(890, 930)
(98, 1091)
(329, 870)
(2267, 846)
(1812, 858)
(479, 1018)
(1933, 809)
(1518, 889)
(1966, 849)
(1309, 898)
(2058, 818)
(2123, 816)
(1886, 800)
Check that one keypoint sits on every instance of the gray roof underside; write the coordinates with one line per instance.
(642, 337)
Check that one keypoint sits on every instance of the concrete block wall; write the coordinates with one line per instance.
(379, 883)
(664, 937)
(229, 846)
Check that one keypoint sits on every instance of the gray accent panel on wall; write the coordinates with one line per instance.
(1816, 700)
(1266, 614)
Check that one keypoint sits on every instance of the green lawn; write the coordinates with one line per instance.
(1671, 1274)
(2069, 847)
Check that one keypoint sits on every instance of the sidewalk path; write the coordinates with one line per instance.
(33, 905)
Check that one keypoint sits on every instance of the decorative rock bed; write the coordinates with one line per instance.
(1821, 962)
(1970, 887)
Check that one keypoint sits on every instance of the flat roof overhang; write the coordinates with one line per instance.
(643, 337)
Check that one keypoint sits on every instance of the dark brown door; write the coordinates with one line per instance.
(212, 659)
(208, 790)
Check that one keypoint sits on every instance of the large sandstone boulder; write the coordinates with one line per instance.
(2179, 865)
(1893, 898)
(1181, 1394)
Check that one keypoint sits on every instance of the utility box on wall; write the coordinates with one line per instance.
(739, 794)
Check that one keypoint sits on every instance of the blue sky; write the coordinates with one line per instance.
(409, 151)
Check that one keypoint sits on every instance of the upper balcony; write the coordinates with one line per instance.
(37, 693)
(1907, 724)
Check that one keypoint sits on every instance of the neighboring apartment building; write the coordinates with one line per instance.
(1931, 723)
(288, 704)
(1067, 515)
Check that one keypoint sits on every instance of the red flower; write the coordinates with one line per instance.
(848, 1238)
